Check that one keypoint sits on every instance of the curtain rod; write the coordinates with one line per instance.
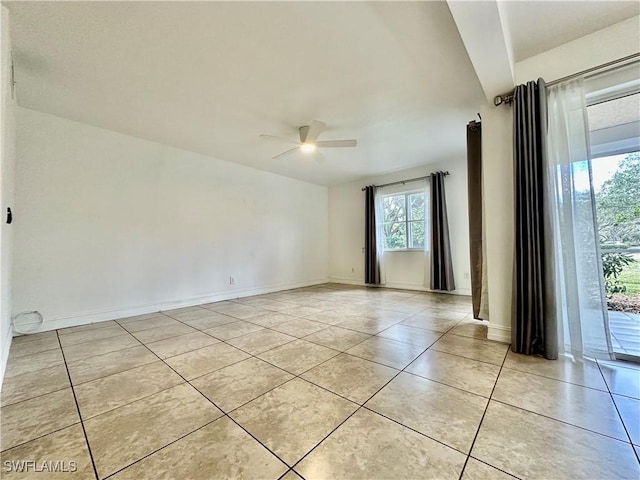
(507, 98)
(402, 182)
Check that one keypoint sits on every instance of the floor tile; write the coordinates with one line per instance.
(299, 327)
(431, 323)
(291, 419)
(471, 328)
(629, 409)
(75, 353)
(233, 330)
(205, 360)
(476, 470)
(89, 335)
(261, 341)
(388, 352)
(531, 446)
(33, 384)
(214, 319)
(121, 436)
(366, 325)
(145, 316)
(291, 475)
(161, 333)
(236, 310)
(329, 317)
(298, 356)
(87, 326)
(580, 406)
(170, 347)
(191, 315)
(148, 323)
(301, 311)
(414, 336)
(111, 392)
(622, 380)
(41, 344)
(337, 338)
(351, 377)
(91, 368)
(220, 449)
(481, 350)
(584, 373)
(65, 446)
(430, 408)
(368, 446)
(38, 416)
(237, 384)
(32, 363)
(464, 373)
(20, 339)
(271, 319)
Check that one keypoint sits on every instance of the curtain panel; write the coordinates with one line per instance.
(476, 230)
(441, 262)
(371, 243)
(533, 324)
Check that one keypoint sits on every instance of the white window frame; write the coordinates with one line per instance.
(407, 221)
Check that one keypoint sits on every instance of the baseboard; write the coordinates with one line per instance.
(5, 358)
(401, 286)
(498, 333)
(55, 323)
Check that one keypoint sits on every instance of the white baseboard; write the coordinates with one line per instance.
(5, 358)
(401, 286)
(498, 333)
(55, 323)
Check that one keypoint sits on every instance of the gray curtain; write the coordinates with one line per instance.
(474, 188)
(533, 323)
(371, 263)
(441, 263)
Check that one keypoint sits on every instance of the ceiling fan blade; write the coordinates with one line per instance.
(286, 153)
(337, 143)
(279, 139)
(315, 129)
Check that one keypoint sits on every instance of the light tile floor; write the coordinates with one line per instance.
(328, 382)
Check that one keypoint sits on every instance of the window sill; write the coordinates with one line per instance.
(404, 250)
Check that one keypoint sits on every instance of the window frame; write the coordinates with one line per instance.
(407, 222)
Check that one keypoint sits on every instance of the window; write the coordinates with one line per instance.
(404, 221)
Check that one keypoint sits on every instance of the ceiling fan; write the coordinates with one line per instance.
(308, 140)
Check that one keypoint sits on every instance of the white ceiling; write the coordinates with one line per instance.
(538, 26)
(211, 76)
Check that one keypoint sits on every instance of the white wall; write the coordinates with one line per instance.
(603, 46)
(7, 175)
(110, 225)
(403, 269)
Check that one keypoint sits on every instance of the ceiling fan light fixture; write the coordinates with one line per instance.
(307, 147)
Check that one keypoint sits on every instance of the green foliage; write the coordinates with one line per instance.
(404, 220)
(618, 203)
(613, 264)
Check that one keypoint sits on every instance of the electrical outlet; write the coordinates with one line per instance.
(353, 269)
(467, 275)
(232, 281)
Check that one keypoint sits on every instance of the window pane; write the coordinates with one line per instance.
(394, 208)
(416, 237)
(395, 235)
(416, 206)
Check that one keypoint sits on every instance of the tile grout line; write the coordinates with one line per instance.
(224, 414)
(75, 399)
(475, 437)
(615, 405)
